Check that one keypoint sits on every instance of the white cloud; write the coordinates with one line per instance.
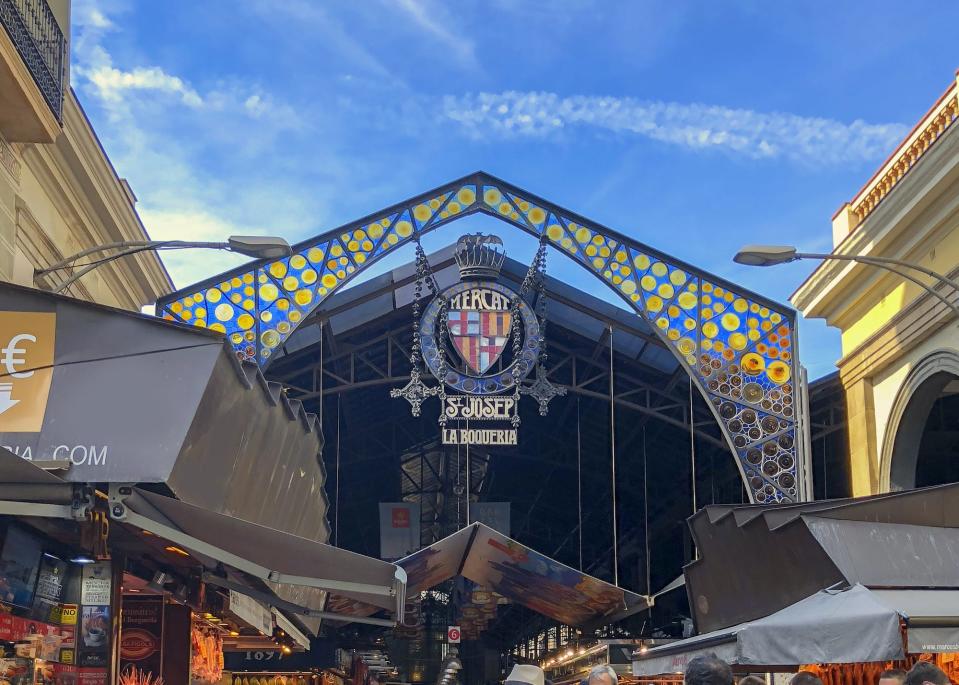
(95, 18)
(255, 105)
(694, 126)
(112, 83)
(173, 150)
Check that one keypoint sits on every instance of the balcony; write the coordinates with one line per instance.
(33, 54)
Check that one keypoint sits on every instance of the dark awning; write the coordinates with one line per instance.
(244, 550)
(757, 559)
(274, 557)
(134, 399)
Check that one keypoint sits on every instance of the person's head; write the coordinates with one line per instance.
(892, 676)
(708, 669)
(925, 672)
(805, 678)
(602, 675)
(526, 674)
(752, 680)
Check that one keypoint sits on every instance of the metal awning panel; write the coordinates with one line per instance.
(134, 399)
(27, 490)
(889, 554)
(870, 540)
(268, 554)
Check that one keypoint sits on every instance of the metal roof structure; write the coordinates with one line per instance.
(342, 362)
(739, 348)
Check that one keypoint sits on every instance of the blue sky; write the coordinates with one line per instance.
(694, 127)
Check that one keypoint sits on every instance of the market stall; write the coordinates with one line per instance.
(843, 584)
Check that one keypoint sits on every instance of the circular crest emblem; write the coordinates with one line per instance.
(478, 331)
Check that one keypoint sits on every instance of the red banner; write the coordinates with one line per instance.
(15, 629)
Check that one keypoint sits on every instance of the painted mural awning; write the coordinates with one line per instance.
(501, 565)
(120, 397)
(798, 550)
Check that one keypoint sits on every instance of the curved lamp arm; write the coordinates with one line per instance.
(884, 262)
(259, 247)
(771, 255)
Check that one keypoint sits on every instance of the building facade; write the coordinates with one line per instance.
(900, 344)
(59, 193)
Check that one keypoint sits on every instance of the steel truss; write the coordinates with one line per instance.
(739, 349)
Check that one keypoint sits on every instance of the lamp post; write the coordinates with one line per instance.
(259, 247)
(771, 255)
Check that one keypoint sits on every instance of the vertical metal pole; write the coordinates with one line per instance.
(649, 588)
(468, 521)
(321, 376)
(692, 442)
(612, 449)
(117, 567)
(459, 498)
(336, 529)
(806, 492)
(579, 485)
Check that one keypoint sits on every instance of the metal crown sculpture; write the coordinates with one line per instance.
(479, 256)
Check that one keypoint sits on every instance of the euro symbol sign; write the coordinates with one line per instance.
(12, 355)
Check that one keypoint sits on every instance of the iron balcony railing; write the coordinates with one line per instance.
(37, 36)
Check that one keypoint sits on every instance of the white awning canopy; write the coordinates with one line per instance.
(853, 625)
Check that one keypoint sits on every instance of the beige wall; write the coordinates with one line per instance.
(58, 199)
(59, 193)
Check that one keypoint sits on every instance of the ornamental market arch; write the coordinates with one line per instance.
(739, 349)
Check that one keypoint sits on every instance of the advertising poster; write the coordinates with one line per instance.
(68, 616)
(94, 647)
(141, 635)
(46, 601)
(95, 584)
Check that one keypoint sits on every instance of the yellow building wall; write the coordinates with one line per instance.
(943, 258)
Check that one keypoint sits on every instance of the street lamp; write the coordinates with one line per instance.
(771, 255)
(259, 247)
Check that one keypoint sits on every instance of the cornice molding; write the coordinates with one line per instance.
(890, 231)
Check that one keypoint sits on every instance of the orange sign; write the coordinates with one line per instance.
(26, 369)
(401, 517)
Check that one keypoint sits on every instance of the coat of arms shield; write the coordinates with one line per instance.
(479, 336)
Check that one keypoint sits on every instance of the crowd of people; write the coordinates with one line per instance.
(710, 670)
